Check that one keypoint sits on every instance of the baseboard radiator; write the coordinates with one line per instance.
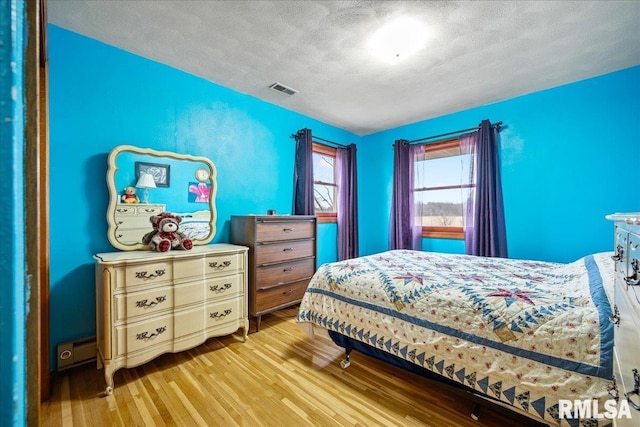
(75, 353)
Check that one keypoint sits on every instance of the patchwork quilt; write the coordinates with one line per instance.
(528, 333)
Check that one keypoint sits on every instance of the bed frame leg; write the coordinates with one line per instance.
(347, 361)
(476, 412)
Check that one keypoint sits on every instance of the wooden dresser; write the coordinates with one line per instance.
(132, 220)
(626, 364)
(149, 303)
(282, 258)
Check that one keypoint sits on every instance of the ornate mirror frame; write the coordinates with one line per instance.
(200, 163)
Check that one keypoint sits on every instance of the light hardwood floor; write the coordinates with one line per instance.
(277, 378)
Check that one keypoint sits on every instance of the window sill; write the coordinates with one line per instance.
(327, 217)
(456, 233)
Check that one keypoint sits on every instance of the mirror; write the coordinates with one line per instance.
(182, 184)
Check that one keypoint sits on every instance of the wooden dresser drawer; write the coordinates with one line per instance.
(223, 264)
(147, 274)
(143, 335)
(271, 231)
(279, 274)
(134, 304)
(220, 313)
(275, 296)
(224, 287)
(626, 344)
(275, 252)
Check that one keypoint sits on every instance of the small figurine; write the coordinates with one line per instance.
(129, 195)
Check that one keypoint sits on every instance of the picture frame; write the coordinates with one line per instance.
(159, 171)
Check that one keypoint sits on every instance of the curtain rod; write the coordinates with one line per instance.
(325, 140)
(497, 124)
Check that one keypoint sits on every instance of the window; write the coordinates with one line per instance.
(440, 187)
(324, 183)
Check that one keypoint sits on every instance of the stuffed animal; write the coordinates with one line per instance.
(129, 195)
(165, 235)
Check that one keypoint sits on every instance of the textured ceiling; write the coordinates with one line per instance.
(478, 52)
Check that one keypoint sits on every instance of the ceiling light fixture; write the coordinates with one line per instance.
(398, 40)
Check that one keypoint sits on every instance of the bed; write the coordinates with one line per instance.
(525, 333)
(196, 225)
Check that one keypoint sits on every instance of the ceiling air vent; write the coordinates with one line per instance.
(282, 88)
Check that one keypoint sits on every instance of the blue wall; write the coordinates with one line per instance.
(569, 156)
(13, 286)
(101, 97)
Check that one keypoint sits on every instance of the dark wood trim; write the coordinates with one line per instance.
(443, 232)
(33, 208)
(442, 145)
(327, 217)
(324, 149)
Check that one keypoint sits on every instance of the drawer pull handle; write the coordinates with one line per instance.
(215, 314)
(636, 390)
(287, 270)
(120, 222)
(287, 230)
(145, 304)
(613, 389)
(144, 336)
(287, 250)
(617, 256)
(288, 292)
(634, 279)
(615, 317)
(215, 265)
(145, 275)
(218, 288)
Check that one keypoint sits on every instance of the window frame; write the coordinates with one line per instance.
(442, 232)
(332, 216)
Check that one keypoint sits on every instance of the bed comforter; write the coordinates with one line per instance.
(527, 333)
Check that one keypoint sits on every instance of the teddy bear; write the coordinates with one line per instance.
(129, 195)
(165, 235)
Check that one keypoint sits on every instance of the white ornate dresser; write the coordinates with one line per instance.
(626, 315)
(150, 303)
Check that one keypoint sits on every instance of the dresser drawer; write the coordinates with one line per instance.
(626, 343)
(127, 222)
(276, 296)
(220, 313)
(224, 287)
(223, 264)
(187, 269)
(279, 274)
(128, 209)
(131, 235)
(271, 231)
(145, 210)
(282, 251)
(147, 274)
(143, 335)
(134, 304)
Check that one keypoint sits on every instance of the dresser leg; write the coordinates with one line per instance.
(258, 319)
(245, 335)
(108, 378)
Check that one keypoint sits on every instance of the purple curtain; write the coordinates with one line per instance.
(485, 232)
(403, 233)
(346, 172)
(303, 200)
